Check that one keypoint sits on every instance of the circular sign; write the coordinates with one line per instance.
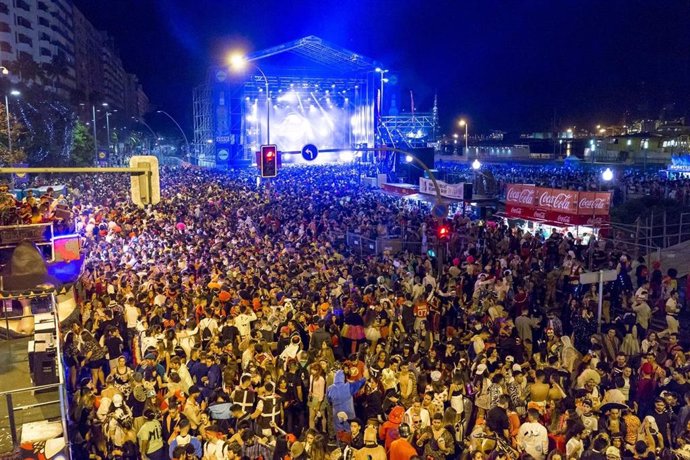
(440, 210)
(223, 154)
(221, 75)
(102, 155)
(310, 152)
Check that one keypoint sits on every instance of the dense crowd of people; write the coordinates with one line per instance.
(232, 320)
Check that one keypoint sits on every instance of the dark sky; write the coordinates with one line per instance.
(505, 64)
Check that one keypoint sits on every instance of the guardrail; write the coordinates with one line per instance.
(14, 413)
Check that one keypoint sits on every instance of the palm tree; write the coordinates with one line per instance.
(27, 69)
(56, 68)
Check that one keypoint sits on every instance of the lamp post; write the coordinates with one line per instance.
(95, 133)
(142, 122)
(465, 124)
(239, 62)
(382, 72)
(606, 177)
(14, 92)
(186, 142)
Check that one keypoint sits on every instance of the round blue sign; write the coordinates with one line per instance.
(440, 210)
(310, 152)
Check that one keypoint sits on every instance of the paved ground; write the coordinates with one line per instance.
(14, 374)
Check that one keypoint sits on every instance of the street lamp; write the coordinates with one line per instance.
(382, 72)
(95, 133)
(607, 175)
(238, 62)
(178, 127)
(142, 122)
(476, 165)
(464, 123)
(14, 92)
(107, 124)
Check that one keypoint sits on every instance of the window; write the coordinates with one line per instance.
(4, 27)
(21, 4)
(42, 6)
(45, 37)
(4, 8)
(45, 52)
(21, 38)
(44, 22)
(6, 47)
(22, 21)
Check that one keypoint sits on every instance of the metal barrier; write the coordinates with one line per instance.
(15, 412)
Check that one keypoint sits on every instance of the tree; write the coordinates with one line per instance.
(28, 70)
(54, 70)
(17, 133)
(82, 146)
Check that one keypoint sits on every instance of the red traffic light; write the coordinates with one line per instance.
(443, 232)
(269, 163)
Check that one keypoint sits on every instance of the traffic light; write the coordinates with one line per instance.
(269, 161)
(443, 233)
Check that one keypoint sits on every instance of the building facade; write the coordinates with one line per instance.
(51, 43)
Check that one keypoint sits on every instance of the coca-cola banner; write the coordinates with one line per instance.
(521, 195)
(594, 203)
(545, 203)
(556, 218)
(563, 201)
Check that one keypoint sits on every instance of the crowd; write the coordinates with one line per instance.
(232, 321)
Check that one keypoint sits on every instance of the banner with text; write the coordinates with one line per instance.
(568, 207)
(454, 191)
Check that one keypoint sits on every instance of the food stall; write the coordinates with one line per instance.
(565, 211)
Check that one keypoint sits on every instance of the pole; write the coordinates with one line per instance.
(601, 300)
(178, 127)
(9, 129)
(107, 128)
(268, 104)
(467, 140)
(95, 135)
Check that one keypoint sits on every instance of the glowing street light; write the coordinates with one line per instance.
(15, 93)
(381, 71)
(465, 124)
(238, 62)
(476, 164)
(607, 175)
(408, 159)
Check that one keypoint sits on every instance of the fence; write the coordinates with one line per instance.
(29, 405)
(376, 246)
(655, 230)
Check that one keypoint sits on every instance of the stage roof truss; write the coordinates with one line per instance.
(321, 52)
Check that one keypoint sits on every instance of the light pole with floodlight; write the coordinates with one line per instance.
(465, 124)
(238, 62)
(178, 127)
(14, 92)
(382, 72)
(95, 133)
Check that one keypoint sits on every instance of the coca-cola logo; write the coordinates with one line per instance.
(561, 201)
(596, 203)
(540, 215)
(516, 211)
(520, 195)
(564, 219)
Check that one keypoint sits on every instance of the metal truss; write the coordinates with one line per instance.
(407, 130)
(203, 131)
(319, 51)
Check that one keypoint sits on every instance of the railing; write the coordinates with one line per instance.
(18, 409)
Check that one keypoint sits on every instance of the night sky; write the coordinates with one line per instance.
(505, 64)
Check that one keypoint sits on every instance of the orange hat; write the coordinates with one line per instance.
(224, 296)
(325, 307)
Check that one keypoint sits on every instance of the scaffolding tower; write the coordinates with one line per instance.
(203, 133)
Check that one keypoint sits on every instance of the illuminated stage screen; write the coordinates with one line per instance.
(329, 120)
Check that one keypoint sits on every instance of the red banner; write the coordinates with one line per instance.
(520, 195)
(594, 203)
(558, 207)
(554, 217)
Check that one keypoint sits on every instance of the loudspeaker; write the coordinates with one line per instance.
(467, 191)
